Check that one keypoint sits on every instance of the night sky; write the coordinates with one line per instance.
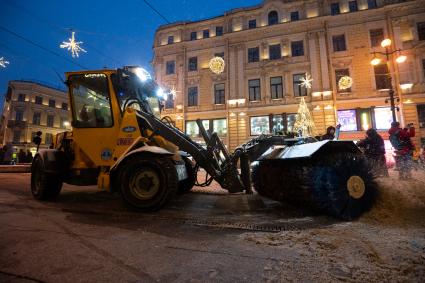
(115, 33)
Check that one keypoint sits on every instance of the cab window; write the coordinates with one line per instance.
(91, 101)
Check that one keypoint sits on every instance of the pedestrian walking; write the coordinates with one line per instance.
(374, 149)
(8, 154)
(330, 133)
(404, 148)
(22, 156)
(29, 156)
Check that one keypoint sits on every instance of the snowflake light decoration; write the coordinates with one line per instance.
(345, 82)
(174, 92)
(217, 65)
(73, 46)
(306, 81)
(3, 62)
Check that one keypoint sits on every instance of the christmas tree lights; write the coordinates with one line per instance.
(304, 124)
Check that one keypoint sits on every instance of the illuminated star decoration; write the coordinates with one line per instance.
(345, 82)
(174, 91)
(217, 65)
(73, 46)
(3, 62)
(306, 81)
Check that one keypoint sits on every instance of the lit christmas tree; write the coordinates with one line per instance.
(304, 124)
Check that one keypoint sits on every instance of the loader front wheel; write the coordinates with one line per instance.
(147, 182)
(44, 186)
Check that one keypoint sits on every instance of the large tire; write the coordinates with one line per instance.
(146, 181)
(187, 184)
(340, 185)
(44, 186)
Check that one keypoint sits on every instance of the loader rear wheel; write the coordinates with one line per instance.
(147, 182)
(44, 186)
(340, 185)
(187, 184)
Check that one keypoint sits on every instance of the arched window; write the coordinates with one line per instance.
(273, 18)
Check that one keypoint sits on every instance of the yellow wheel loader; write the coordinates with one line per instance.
(120, 143)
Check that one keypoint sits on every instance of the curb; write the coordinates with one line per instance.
(15, 168)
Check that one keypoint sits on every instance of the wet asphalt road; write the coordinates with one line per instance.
(90, 236)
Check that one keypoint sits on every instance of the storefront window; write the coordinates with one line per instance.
(278, 126)
(290, 118)
(347, 119)
(383, 118)
(220, 127)
(260, 125)
(192, 129)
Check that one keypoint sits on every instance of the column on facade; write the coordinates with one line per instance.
(240, 71)
(324, 62)
(315, 72)
(232, 72)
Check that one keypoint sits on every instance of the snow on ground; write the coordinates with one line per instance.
(386, 244)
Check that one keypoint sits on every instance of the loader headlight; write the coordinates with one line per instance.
(142, 74)
(160, 93)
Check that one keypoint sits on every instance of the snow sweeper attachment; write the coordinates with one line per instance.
(329, 176)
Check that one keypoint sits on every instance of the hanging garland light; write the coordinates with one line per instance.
(73, 45)
(217, 65)
(3, 62)
(345, 82)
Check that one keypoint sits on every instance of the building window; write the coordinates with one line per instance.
(193, 35)
(382, 78)
(19, 116)
(295, 16)
(64, 106)
(352, 5)
(273, 18)
(338, 75)
(376, 37)
(290, 122)
(169, 103)
(192, 96)
(206, 33)
(219, 94)
(50, 120)
(254, 87)
(52, 103)
(192, 129)
(421, 115)
(421, 30)
(36, 118)
(16, 136)
(297, 48)
(221, 55)
(253, 54)
(277, 124)
(49, 139)
(252, 24)
(338, 42)
(193, 64)
(335, 9)
(219, 31)
(220, 127)
(348, 120)
(299, 90)
(259, 125)
(170, 67)
(276, 87)
(170, 39)
(383, 118)
(63, 120)
(38, 100)
(371, 4)
(21, 97)
(275, 52)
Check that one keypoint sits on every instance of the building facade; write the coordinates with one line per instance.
(269, 49)
(30, 107)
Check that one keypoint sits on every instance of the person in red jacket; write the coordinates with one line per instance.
(404, 148)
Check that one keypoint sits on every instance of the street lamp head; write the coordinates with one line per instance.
(375, 61)
(401, 59)
(386, 42)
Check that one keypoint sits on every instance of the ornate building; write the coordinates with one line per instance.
(269, 49)
(30, 107)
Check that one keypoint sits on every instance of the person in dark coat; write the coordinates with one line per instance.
(330, 133)
(374, 149)
(22, 156)
(404, 148)
(29, 157)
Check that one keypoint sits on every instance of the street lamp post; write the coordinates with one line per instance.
(386, 43)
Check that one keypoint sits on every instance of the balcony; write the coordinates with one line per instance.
(16, 124)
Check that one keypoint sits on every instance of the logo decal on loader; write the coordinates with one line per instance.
(129, 129)
(106, 154)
